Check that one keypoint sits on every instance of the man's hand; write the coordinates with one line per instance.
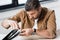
(7, 23)
(26, 32)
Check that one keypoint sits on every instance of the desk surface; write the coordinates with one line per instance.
(33, 37)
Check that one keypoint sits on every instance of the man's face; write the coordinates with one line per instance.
(33, 14)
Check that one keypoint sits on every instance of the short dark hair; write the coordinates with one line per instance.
(32, 4)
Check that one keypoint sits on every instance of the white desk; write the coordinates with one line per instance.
(33, 37)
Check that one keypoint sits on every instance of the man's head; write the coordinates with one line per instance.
(33, 8)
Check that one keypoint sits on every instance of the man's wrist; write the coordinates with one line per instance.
(34, 30)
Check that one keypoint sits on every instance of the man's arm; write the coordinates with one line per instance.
(15, 17)
(11, 21)
(51, 28)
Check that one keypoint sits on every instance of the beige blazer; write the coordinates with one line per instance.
(46, 21)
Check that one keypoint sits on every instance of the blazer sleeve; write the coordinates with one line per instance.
(16, 17)
(51, 24)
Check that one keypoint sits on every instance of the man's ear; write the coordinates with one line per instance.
(39, 9)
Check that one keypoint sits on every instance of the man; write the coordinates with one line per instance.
(45, 24)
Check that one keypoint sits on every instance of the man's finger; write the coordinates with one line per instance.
(23, 34)
(23, 30)
(19, 25)
(15, 24)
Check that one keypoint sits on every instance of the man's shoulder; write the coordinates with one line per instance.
(47, 12)
(22, 12)
(48, 9)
